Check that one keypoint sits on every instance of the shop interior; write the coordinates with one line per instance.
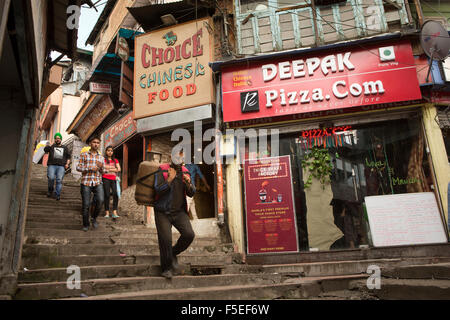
(334, 168)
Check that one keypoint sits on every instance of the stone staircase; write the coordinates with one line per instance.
(120, 260)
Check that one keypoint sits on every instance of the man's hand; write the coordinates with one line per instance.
(187, 178)
(99, 166)
(172, 174)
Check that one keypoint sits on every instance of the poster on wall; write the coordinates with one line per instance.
(270, 213)
(405, 219)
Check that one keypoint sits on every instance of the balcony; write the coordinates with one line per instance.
(265, 25)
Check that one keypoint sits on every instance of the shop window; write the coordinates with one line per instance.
(384, 158)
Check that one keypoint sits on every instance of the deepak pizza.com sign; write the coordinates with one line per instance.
(357, 77)
(171, 69)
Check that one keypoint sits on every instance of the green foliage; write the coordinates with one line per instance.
(318, 163)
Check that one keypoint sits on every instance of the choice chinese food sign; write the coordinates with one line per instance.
(271, 222)
(349, 78)
(171, 69)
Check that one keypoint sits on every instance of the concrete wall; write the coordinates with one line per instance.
(438, 153)
(113, 23)
(39, 8)
(12, 111)
(235, 204)
(69, 109)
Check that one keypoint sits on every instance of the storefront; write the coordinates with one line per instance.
(173, 89)
(350, 132)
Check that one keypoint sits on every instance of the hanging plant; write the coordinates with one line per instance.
(318, 163)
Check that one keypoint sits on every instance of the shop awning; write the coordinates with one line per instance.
(149, 17)
(107, 67)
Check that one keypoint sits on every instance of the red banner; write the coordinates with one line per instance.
(304, 84)
(271, 222)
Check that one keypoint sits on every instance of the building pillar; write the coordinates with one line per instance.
(125, 167)
(438, 153)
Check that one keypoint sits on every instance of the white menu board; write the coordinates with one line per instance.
(404, 219)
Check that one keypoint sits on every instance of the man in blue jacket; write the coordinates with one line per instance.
(171, 210)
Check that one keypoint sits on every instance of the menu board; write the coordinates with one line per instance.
(405, 219)
(271, 224)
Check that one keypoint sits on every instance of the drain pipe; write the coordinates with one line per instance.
(419, 12)
(219, 172)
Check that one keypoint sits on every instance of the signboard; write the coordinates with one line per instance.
(305, 84)
(405, 219)
(95, 87)
(171, 69)
(122, 49)
(93, 119)
(271, 223)
(126, 85)
(120, 131)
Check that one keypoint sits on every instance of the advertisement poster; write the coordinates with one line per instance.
(271, 223)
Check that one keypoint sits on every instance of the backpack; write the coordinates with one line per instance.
(145, 183)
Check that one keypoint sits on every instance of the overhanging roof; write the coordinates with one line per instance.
(149, 17)
(107, 68)
(101, 21)
(60, 37)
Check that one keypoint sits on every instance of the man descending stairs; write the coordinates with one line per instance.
(120, 260)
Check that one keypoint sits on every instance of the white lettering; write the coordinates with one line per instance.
(345, 61)
(269, 71)
(285, 70)
(329, 62)
(304, 95)
(336, 92)
(293, 97)
(297, 68)
(355, 90)
(271, 95)
(371, 87)
(313, 64)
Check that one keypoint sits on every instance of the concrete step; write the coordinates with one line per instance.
(76, 216)
(29, 250)
(296, 288)
(113, 271)
(121, 240)
(337, 267)
(406, 289)
(50, 290)
(120, 225)
(426, 271)
(53, 261)
(69, 225)
(93, 272)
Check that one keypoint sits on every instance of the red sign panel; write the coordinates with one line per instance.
(120, 131)
(271, 223)
(304, 84)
